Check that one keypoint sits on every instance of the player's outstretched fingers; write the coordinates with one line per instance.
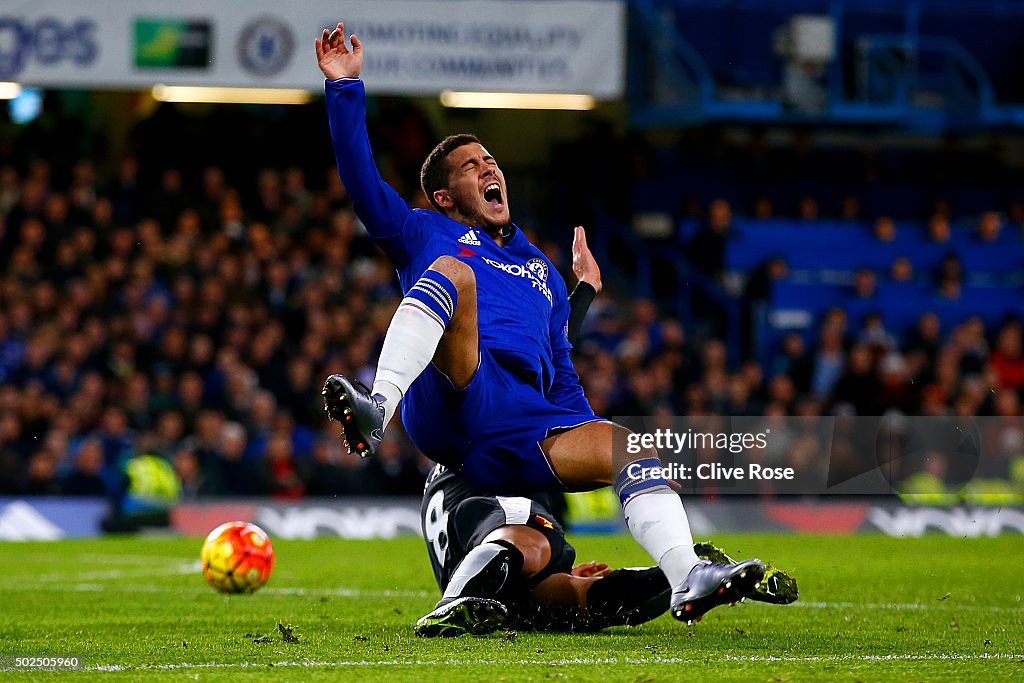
(579, 244)
(357, 45)
(320, 43)
(337, 38)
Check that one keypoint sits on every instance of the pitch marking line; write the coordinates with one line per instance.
(86, 587)
(906, 606)
(118, 574)
(316, 664)
(109, 558)
(105, 558)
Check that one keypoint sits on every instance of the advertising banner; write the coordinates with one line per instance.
(411, 46)
(364, 518)
(344, 518)
(47, 519)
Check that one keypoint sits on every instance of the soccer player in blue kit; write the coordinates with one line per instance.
(477, 354)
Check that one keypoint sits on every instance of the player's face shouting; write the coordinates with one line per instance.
(477, 187)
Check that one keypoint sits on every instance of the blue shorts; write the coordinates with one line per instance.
(489, 432)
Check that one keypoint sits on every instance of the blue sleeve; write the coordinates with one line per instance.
(387, 217)
(565, 388)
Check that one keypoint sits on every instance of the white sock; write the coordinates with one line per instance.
(409, 345)
(391, 396)
(657, 521)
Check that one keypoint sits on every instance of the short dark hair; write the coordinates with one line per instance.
(434, 174)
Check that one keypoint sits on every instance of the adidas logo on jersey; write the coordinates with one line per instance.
(470, 238)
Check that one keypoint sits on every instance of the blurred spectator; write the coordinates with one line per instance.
(989, 226)
(950, 278)
(116, 438)
(237, 477)
(170, 431)
(707, 248)
(969, 342)
(740, 401)
(874, 335)
(864, 284)
(902, 270)
(895, 391)
(925, 338)
(808, 208)
(1007, 358)
(782, 393)
(829, 361)
(391, 474)
(795, 362)
(41, 479)
(858, 386)
(849, 207)
(763, 208)
(85, 478)
(939, 231)
(326, 476)
(284, 479)
(885, 229)
(194, 481)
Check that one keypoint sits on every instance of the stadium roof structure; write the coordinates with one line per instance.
(922, 65)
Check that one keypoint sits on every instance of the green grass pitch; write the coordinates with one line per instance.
(871, 608)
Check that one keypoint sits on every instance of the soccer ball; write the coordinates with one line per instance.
(237, 557)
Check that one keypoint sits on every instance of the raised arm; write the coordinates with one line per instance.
(385, 214)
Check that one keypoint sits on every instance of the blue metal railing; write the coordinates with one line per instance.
(673, 83)
(672, 51)
(904, 57)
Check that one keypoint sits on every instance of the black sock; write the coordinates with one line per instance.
(628, 596)
(490, 570)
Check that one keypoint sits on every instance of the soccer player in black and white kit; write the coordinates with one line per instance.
(504, 562)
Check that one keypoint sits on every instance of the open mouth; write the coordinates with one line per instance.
(492, 196)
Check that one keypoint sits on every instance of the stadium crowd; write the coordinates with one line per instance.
(153, 310)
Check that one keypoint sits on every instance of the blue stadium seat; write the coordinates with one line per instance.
(992, 258)
(837, 245)
(813, 297)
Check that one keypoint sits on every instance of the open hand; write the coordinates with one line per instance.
(333, 56)
(584, 267)
(590, 569)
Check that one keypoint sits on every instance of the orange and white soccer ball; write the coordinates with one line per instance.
(237, 557)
